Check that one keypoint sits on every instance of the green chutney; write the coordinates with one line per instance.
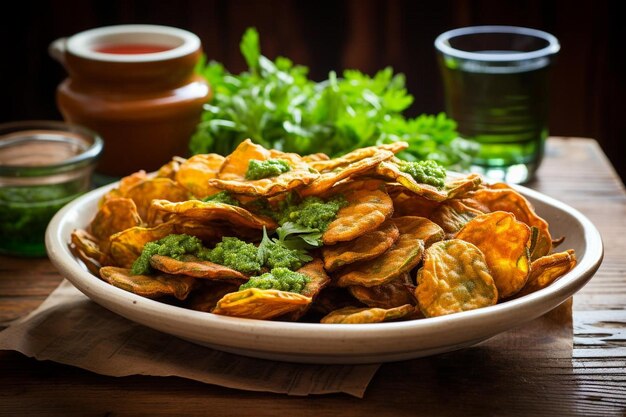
(266, 169)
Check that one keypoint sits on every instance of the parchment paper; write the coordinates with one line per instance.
(69, 328)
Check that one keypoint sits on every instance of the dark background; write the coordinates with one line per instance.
(588, 81)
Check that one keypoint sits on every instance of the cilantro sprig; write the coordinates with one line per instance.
(276, 253)
(277, 106)
(295, 236)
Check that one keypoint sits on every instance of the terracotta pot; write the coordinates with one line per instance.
(134, 85)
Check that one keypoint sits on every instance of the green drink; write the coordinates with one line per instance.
(496, 84)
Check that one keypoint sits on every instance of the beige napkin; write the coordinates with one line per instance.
(69, 328)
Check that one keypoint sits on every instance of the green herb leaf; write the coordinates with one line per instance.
(274, 253)
(263, 249)
(295, 236)
(277, 106)
(250, 48)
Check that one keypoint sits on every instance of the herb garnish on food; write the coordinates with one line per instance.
(425, 172)
(278, 279)
(302, 223)
(266, 169)
(231, 252)
(223, 197)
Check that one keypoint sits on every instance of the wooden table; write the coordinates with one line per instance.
(468, 382)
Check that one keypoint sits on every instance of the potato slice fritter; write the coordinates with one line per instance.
(254, 303)
(403, 256)
(145, 191)
(547, 269)
(329, 178)
(208, 211)
(452, 188)
(393, 294)
(195, 267)
(206, 297)
(232, 174)
(149, 286)
(319, 280)
(126, 246)
(315, 157)
(88, 246)
(452, 215)
(235, 165)
(366, 211)
(454, 278)
(405, 203)
(420, 228)
(328, 165)
(502, 197)
(333, 298)
(194, 174)
(415, 233)
(504, 242)
(114, 215)
(352, 315)
(125, 184)
(206, 233)
(170, 169)
(363, 248)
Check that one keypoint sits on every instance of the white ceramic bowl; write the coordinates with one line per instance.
(323, 343)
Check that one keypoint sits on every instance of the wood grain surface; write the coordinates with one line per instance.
(473, 382)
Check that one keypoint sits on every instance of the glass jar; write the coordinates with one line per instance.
(43, 166)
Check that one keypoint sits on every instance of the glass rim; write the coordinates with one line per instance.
(442, 43)
(91, 153)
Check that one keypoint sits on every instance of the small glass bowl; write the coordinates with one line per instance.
(43, 166)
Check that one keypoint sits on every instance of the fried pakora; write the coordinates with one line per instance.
(361, 238)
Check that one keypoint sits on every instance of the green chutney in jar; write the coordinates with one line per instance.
(43, 166)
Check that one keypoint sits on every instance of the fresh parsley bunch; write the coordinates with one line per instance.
(277, 106)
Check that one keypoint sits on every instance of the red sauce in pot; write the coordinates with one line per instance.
(131, 48)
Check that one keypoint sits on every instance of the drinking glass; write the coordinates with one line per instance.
(496, 88)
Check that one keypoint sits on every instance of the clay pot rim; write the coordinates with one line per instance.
(183, 42)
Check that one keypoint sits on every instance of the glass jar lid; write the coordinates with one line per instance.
(38, 148)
